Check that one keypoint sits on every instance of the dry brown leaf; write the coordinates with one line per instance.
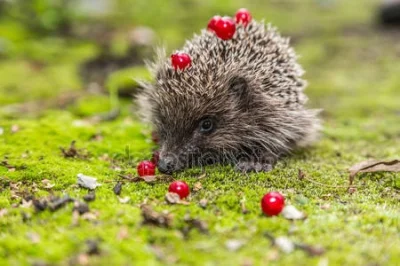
(197, 186)
(203, 203)
(46, 184)
(372, 166)
(90, 216)
(301, 174)
(172, 198)
(152, 217)
(148, 179)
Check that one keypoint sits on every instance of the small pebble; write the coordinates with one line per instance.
(284, 244)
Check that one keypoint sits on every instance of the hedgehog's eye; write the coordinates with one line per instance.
(206, 125)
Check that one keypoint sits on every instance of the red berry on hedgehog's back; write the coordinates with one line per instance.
(225, 28)
(180, 60)
(272, 203)
(243, 16)
(145, 168)
(212, 22)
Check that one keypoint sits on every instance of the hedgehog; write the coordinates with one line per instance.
(241, 102)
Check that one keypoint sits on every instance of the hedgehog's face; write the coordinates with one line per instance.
(202, 129)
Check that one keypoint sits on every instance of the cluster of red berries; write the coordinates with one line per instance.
(223, 27)
(147, 168)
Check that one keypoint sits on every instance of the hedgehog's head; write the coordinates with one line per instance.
(200, 122)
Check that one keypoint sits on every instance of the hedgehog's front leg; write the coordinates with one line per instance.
(254, 165)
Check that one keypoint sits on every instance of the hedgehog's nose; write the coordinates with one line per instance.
(166, 165)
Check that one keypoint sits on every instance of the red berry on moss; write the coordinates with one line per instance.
(212, 22)
(155, 157)
(145, 168)
(180, 188)
(272, 203)
(225, 28)
(180, 60)
(243, 16)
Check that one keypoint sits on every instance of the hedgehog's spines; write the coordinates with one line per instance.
(274, 120)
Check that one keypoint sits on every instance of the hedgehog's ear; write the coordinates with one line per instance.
(238, 87)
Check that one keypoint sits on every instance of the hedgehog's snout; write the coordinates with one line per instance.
(166, 165)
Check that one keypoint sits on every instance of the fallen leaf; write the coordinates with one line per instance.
(90, 216)
(47, 184)
(197, 186)
(372, 166)
(172, 198)
(203, 203)
(149, 178)
(352, 190)
(26, 203)
(301, 174)
(234, 244)
(311, 250)
(291, 213)
(202, 176)
(155, 218)
(200, 225)
(71, 151)
(87, 181)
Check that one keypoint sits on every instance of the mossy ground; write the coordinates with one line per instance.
(352, 67)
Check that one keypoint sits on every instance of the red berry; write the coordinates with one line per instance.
(243, 16)
(155, 157)
(225, 28)
(212, 22)
(146, 168)
(180, 188)
(272, 203)
(180, 60)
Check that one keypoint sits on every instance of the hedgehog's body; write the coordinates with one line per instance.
(240, 102)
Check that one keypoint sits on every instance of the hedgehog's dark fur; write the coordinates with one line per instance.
(251, 89)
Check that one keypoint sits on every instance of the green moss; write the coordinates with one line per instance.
(352, 76)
